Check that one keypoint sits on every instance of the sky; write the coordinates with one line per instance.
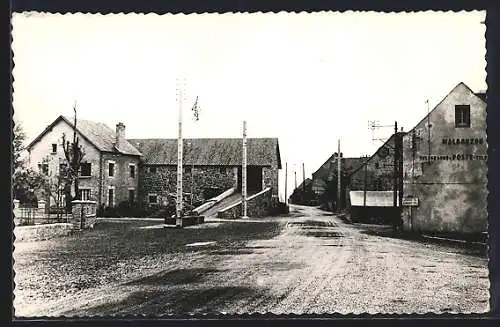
(308, 79)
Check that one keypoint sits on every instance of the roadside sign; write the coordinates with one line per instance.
(410, 202)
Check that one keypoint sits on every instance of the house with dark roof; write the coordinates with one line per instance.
(144, 171)
(210, 167)
(324, 182)
(109, 170)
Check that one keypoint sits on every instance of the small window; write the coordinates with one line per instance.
(153, 199)
(377, 165)
(86, 169)
(132, 170)
(62, 168)
(462, 116)
(222, 170)
(131, 196)
(152, 170)
(187, 170)
(84, 194)
(111, 169)
(54, 148)
(45, 168)
(111, 197)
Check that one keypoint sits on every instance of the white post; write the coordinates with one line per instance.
(339, 172)
(179, 157)
(244, 172)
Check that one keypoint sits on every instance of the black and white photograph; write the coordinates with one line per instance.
(240, 163)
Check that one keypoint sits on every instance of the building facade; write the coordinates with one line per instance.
(211, 166)
(109, 169)
(445, 167)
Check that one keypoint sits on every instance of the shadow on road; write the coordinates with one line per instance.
(177, 276)
(470, 248)
(180, 302)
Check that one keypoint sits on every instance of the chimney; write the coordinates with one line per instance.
(120, 135)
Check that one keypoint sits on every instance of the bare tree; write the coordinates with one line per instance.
(74, 153)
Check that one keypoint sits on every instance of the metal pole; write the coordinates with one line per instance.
(244, 172)
(179, 157)
(339, 169)
(286, 182)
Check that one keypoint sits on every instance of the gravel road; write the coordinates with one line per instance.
(310, 262)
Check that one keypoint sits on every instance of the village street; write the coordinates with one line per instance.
(308, 262)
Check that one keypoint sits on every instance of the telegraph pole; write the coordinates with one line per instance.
(428, 132)
(395, 195)
(339, 169)
(286, 182)
(244, 172)
(295, 173)
(180, 100)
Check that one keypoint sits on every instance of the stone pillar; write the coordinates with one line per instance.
(85, 210)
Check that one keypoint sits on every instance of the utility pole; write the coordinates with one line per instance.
(286, 182)
(428, 132)
(395, 189)
(180, 100)
(339, 169)
(365, 184)
(295, 173)
(244, 172)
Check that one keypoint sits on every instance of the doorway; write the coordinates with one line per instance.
(254, 179)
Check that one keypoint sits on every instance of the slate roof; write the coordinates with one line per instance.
(210, 151)
(308, 183)
(98, 134)
(348, 166)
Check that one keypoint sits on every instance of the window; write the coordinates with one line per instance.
(153, 199)
(86, 169)
(131, 196)
(152, 170)
(377, 165)
(132, 170)
(222, 170)
(45, 168)
(187, 170)
(111, 197)
(54, 148)
(84, 194)
(111, 168)
(462, 116)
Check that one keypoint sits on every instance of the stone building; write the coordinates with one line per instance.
(211, 166)
(375, 178)
(144, 171)
(445, 170)
(324, 181)
(109, 170)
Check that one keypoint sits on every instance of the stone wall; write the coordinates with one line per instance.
(164, 182)
(121, 181)
(41, 232)
(378, 170)
(258, 205)
(85, 209)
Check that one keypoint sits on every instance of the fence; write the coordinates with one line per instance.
(27, 215)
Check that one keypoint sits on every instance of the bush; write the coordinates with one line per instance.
(124, 209)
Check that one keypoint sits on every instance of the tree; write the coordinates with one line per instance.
(74, 153)
(24, 181)
(18, 146)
